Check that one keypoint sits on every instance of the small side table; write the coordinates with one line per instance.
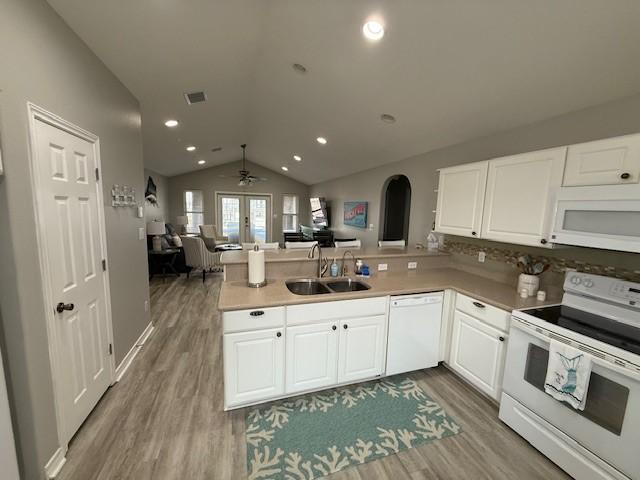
(164, 260)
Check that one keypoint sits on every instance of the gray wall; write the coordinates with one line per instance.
(614, 118)
(161, 210)
(209, 181)
(44, 62)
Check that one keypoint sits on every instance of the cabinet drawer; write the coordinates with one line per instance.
(314, 312)
(257, 319)
(491, 315)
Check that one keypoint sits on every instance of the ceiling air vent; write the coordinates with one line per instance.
(195, 97)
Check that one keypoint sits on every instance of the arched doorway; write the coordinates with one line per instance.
(396, 206)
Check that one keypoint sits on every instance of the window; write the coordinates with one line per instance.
(194, 210)
(289, 213)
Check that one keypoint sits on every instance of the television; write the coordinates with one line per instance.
(319, 213)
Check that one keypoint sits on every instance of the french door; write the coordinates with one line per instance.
(243, 217)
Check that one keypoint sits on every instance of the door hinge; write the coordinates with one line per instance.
(97, 175)
(104, 265)
(110, 349)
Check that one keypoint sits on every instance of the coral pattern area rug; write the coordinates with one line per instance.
(318, 434)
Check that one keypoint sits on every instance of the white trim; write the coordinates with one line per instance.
(36, 113)
(55, 463)
(131, 354)
(216, 218)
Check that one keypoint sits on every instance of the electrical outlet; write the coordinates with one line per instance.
(371, 227)
(382, 267)
(146, 305)
(412, 265)
(141, 233)
(482, 257)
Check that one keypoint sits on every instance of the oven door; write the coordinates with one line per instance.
(609, 426)
(611, 224)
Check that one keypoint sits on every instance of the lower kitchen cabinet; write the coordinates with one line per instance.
(477, 353)
(312, 355)
(253, 365)
(362, 348)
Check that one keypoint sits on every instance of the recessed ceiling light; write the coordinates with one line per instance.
(201, 162)
(297, 158)
(385, 117)
(373, 30)
(298, 67)
(321, 140)
(286, 169)
(171, 123)
(190, 148)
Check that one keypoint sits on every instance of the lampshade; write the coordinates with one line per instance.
(156, 228)
(182, 220)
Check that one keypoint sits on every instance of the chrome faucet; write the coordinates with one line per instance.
(321, 267)
(344, 269)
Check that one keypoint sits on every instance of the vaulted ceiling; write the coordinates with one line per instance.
(448, 71)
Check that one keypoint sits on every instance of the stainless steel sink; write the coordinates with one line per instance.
(347, 285)
(307, 286)
(313, 286)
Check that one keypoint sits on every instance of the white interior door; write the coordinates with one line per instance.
(245, 218)
(71, 233)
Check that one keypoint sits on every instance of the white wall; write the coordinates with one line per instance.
(614, 118)
(44, 62)
(209, 180)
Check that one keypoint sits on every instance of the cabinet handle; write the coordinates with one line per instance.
(279, 334)
(334, 327)
(501, 339)
(257, 313)
(543, 241)
(474, 233)
(478, 304)
(345, 326)
(625, 176)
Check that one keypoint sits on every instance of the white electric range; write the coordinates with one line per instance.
(600, 316)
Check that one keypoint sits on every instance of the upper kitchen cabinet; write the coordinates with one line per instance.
(461, 193)
(610, 161)
(520, 197)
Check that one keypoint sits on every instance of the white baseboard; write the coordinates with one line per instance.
(131, 354)
(55, 463)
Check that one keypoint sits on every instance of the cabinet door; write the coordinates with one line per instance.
(312, 355)
(604, 162)
(362, 348)
(477, 353)
(253, 365)
(461, 193)
(521, 195)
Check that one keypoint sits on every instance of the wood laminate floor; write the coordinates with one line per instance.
(164, 420)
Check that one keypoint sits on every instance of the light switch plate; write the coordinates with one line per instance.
(482, 257)
(382, 267)
(412, 265)
(141, 233)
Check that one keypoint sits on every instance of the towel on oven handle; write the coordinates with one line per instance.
(568, 374)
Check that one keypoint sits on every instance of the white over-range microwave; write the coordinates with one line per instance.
(599, 217)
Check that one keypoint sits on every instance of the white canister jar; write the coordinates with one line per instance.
(531, 283)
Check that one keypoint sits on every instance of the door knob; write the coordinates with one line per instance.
(61, 307)
(334, 327)
(345, 326)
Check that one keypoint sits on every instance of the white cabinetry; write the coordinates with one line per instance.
(253, 365)
(610, 161)
(478, 346)
(461, 193)
(312, 355)
(362, 348)
(520, 197)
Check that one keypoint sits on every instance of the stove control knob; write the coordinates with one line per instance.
(588, 283)
(576, 280)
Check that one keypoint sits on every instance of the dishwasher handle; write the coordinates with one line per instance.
(413, 301)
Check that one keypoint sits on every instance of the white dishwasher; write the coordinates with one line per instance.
(414, 332)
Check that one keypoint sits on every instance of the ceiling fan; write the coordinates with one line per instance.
(246, 179)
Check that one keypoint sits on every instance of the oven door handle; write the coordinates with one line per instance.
(538, 332)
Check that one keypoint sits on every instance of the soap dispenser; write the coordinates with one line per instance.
(334, 268)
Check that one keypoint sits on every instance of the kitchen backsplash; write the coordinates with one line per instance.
(559, 260)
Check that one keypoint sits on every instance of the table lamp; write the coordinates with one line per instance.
(156, 229)
(182, 220)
